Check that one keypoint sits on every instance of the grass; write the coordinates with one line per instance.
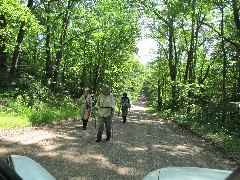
(12, 121)
(36, 118)
(53, 115)
(17, 113)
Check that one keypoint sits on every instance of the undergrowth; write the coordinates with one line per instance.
(25, 112)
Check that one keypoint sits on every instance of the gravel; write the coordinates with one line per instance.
(145, 143)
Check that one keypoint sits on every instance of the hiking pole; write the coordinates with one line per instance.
(95, 118)
(95, 123)
(112, 133)
(119, 108)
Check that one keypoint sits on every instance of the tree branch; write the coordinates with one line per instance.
(220, 35)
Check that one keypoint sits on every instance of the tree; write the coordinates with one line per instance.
(16, 52)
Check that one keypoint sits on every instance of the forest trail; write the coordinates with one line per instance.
(145, 143)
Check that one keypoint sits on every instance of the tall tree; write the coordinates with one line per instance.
(236, 9)
(19, 41)
(59, 53)
(48, 45)
(3, 53)
(224, 63)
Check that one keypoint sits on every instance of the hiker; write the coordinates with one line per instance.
(106, 106)
(86, 106)
(125, 105)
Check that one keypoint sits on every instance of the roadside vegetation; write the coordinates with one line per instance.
(57, 48)
(24, 111)
(195, 79)
(224, 137)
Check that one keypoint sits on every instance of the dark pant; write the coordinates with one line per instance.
(85, 123)
(99, 135)
(124, 119)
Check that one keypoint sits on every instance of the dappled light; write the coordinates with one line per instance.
(184, 89)
(145, 143)
(139, 108)
(36, 136)
(136, 149)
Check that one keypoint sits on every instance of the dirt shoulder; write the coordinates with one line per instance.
(145, 143)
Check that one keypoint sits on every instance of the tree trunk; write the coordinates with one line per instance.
(20, 37)
(16, 51)
(84, 71)
(188, 76)
(96, 69)
(100, 67)
(59, 53)
(235, 8)
(3, 54)
(224, 71)
(238, 89)
(236, 17)
(164, 87)
(159, 86)
(48, 48)
(172, 67)
(64, 73)
(159, 95)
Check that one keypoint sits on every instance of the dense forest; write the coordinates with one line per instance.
(50, 50)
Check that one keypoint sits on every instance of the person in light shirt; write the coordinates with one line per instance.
(86, 106)
(106, 107)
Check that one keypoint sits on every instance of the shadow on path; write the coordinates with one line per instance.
(145, 143)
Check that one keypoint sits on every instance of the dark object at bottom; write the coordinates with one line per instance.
(7, 172)
(99, 136)
(98, 140)
(85, 121)
(124, 119)
(108, 136)
(24, 168)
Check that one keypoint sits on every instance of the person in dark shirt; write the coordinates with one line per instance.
(125, 105)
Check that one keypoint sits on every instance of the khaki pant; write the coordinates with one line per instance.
(104, 121)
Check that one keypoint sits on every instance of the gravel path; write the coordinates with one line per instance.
(145, 143)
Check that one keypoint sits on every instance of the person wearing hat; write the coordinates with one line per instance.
(106, 106)
(86, 105)
(125, 105)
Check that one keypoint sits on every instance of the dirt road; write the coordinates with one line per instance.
(145, 143)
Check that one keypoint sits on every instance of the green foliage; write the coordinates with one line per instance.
(51, 115)
(66, 47)
(11, 121)
(75, 44)
(187, 81)
(20, 113)
(15, 13)
(128, 78)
